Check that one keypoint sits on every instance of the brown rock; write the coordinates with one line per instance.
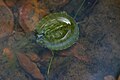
(33, 57)
(8, 53)
(36, 73)
(29, 66)
(109, 77)
(10, 3)
(30, 14)
(46, 57)
(75, 51)
(6, 20)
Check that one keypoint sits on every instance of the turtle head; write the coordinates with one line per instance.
(40, 38)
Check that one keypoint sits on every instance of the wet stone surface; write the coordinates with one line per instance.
(6, 20)
(30, 14)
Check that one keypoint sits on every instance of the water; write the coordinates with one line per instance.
(99, 41)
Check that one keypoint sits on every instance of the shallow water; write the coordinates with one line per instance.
(99, 43)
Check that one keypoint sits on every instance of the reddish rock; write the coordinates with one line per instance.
(8, 53)
(10, 3)
(33, 57)
(6, 20)
(46, 57)
(36, 73)
(30, 14)
(29, 66)
(76, 51)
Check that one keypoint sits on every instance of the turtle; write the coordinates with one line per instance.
(57, 31)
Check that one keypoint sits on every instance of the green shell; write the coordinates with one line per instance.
(57, 31)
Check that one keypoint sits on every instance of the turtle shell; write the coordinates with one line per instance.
(57, 31)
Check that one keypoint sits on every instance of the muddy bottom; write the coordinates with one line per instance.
(99, 34)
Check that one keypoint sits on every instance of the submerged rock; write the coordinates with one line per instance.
(8, 53)
(30, 14)
(6, 20)
(109, 77)
(77, 51)
(33, 57)
(29, 66)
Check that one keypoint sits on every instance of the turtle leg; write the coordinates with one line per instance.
(50, 63)
(79, 8)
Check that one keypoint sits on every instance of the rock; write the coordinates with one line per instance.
(109, 77)
(36, 73)
(33, 57)
(46, 57)
(76, 51)
(8, 53)
(29, 66)
(10, 3)
(118, 78)
(6, 20)
(30, 14)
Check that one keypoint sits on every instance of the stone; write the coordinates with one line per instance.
(45, 57)
(6, 20)
(10, 3)
(29, 66)
(109, 77)
(8, 53)
(76, 51)
(33, 57)
(30, 14)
